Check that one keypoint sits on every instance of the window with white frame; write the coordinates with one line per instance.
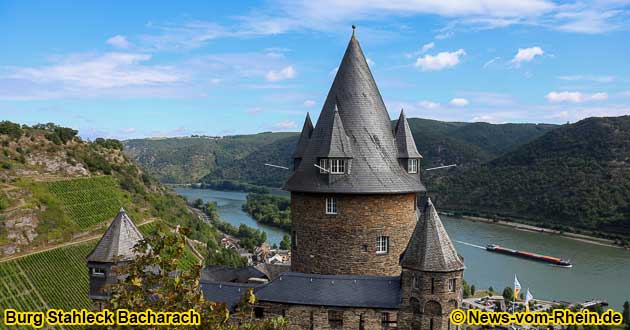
(331, 205)
(98, 271)
(337, 166)
(324, 164)
(382, 244)
(412, 165)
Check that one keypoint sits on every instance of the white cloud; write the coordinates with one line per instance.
(492, 61)
(428, 104)
(103, 71)
(527, 55)
(459, 102)
(309, 103)
(283, 74)
(575, 97)
(426, 47)
(284, 125)
(443, 60)
(599, 79)
(118, 41)
(588, 21)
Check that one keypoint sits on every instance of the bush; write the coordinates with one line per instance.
(11, 129)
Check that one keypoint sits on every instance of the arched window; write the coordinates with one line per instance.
(432, 308)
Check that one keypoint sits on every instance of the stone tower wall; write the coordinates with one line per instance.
(345, 243)
(422, 304)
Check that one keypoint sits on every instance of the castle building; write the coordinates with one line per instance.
(115, 248)
(364, 255)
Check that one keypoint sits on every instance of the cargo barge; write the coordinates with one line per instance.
(528, 255)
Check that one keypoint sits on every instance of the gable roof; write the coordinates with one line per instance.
(335, 143)
(430, 249)
(305, 136)
(374, 167)
(118, 241)
(404, 139)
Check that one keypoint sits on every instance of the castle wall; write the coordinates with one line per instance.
(345, 243)
(423, 307)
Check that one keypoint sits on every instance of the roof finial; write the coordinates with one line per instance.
(354, 27)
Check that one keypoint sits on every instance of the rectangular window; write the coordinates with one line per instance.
(324, 165)
(412, 165)
(432, 285)
(382, 244)
(331, 205)
(98, 271)
(416, 285)
(335, 320)
(337, 166)
(451, 285)
(388, 321)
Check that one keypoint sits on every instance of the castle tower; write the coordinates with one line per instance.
(113, 249)
(355, 180)
(432, 276)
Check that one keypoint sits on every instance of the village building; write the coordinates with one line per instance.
(368, 250)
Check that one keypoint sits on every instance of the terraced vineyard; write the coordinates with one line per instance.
(88, 201)
(53, 279)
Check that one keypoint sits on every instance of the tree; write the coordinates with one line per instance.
(490, 290)
(153, 281)
(472, 290)
(508, 293)
(285, 244)
(626, 314)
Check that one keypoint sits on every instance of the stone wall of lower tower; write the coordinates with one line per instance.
(346, 242)
(428, 299)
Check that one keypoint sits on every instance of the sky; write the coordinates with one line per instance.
(133, 69)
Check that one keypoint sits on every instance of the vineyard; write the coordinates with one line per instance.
(88, 201)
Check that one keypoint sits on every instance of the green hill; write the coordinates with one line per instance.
(242, 158)
(577, 175)
(56, 188)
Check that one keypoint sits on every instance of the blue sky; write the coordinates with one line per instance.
(130, 69)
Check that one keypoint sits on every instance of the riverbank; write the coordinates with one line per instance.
(536, 229)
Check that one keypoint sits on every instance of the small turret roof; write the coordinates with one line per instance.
(430, 249)
(404, 139)
(335, 143)
(118, 241)
(305, 136)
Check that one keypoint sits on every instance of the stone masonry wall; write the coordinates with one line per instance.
(420, 305)
(345, 243)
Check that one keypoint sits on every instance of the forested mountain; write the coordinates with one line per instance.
(577, 175)
(242, 158)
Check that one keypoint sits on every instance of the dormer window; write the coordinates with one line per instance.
(412, 165)
(332, 166)
(98, 272)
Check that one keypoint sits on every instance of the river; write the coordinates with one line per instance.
(598, 271)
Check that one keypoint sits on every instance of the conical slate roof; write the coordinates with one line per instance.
(430, 249)
(404, 139)
(335, 143)
(118, 241)
(374, 167)
(305, 136)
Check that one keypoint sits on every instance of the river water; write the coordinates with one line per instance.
(598, 271)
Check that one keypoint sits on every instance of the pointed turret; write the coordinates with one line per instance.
(335, 142)
(305, 136)
(430, 249)
(404, 139)
(375, 167)
(118, 241)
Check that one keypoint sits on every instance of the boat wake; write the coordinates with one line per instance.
(473, 245)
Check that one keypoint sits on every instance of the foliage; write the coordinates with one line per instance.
(229, 185)
(268, 209)
(285, 244)
(472, 290)
(4, 201)
(57, 134)
(508, 294)
(11, 129)
(166, 288)
(466, 292)
(109, 143)
(626, 313)
(225, 257)
(572, 177)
